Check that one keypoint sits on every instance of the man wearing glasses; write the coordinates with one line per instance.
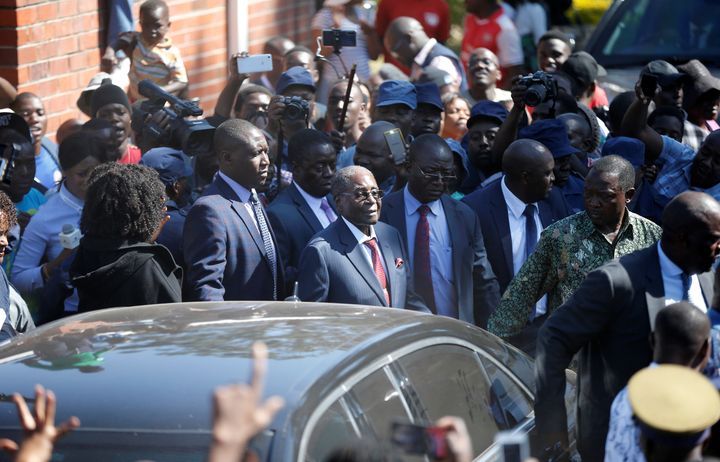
(357, 260)
(449, 264)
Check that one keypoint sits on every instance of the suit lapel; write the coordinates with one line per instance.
(654, 288)
(454, 226)
(546, 215)
(305, 210)
(500, 211)
(707, 282)
(237, 205)
(356, 255)
(396, 215)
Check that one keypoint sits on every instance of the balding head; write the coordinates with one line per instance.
(681, 335)
(431, 168)
(691, 231)
(528, 167)
(404, 38)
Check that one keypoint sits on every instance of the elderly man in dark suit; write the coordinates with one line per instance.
(512, 211)
(304, 208)
(611, 315)
(230, 250)
(356, 259)
(450, 267)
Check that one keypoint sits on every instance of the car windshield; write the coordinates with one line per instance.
(670, 30)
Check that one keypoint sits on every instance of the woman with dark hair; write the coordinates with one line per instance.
(118, 262)
(41, 253)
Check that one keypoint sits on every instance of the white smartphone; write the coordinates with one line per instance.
(513, 447)
(396, 143)
(254, 63)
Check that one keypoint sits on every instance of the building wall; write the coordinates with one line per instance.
(53, 47)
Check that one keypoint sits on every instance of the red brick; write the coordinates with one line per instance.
(68, 7)
(47, 12)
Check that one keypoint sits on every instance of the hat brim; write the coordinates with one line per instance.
(473, 120)
(390, 102)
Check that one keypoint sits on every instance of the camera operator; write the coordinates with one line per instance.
(290, 110)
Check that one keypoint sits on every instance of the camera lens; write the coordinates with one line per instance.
(535, 95)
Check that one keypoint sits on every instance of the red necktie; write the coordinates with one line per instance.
(421, 260)
(378, 268)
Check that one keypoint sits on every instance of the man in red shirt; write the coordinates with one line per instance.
(487, 26)
(434, 15)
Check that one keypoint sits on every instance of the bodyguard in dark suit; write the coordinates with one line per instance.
(506, 205)
(356, 259)
(230, 251)
(450, 267)
(611, 315)
(304, 208)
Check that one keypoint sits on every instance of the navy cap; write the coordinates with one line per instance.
(296, 75)
(486, 109)
(553, 134)
(16, 123)
(630, 149)
(397, 92)
(170, 163)
(429, 93)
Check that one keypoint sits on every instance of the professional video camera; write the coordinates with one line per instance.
(540, 88)
(192, 136)
(296, 108)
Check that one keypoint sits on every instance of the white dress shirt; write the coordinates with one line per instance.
(362, 238)
(314, 204)
(244, 195)
(516, 220)
(440, 251)
(440, 62)
(672, 283)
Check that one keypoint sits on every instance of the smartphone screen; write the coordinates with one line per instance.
(396, 144)
(255, 63)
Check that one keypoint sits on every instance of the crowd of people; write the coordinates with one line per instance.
(497, 186)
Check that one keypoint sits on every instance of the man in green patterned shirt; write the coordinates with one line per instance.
(570, 248)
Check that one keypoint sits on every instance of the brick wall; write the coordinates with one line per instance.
(53, 47)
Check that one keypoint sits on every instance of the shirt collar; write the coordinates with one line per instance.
(624, 226)
(424, 51)
(240, 190)
(666, 265)
(514, 204)
(312, 201)
(359, 235)
(412, 204)
(70, 199)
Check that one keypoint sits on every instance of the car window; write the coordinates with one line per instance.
(332, 429)
(379, 403)
(509, 403)
(663, 29)
(449, 380)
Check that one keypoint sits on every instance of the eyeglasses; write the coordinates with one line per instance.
(445, 177)
(364, 196)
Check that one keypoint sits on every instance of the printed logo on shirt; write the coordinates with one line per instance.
(432, 19)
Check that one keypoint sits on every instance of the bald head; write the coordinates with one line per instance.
(429, 147)
(375, 133)
(689, 210)
(278, 46)
(681, 332)
(525, 155)
(231, 132)
(404, 38)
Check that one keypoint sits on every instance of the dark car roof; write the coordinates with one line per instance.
(159, 364)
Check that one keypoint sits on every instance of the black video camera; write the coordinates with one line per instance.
(540, 88)
(192, 136)
(296, 108)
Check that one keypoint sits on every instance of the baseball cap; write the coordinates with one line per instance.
(170, 164)
(295, 76)
(630, 149)
(582, 67)
(397, 92)
(486, 109)
(429, 93)
(553, 134)
(667, 74)
(15, 122)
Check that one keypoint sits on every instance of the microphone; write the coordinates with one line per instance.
(69, 237)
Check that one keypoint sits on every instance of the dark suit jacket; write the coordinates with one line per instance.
(294, 224)
(489, 204)
(334, 268)
(224, 251)
(607, 321)
(476, 287)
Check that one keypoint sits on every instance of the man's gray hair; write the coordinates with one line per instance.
(345, 179)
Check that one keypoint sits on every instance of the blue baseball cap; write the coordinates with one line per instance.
(429, 93)
(486, 109)
(170, 164)
(630, 149)
(397, 92)
(553, 134)
(296, 75)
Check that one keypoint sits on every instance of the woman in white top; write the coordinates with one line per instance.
(346, 15)
(40, 254)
